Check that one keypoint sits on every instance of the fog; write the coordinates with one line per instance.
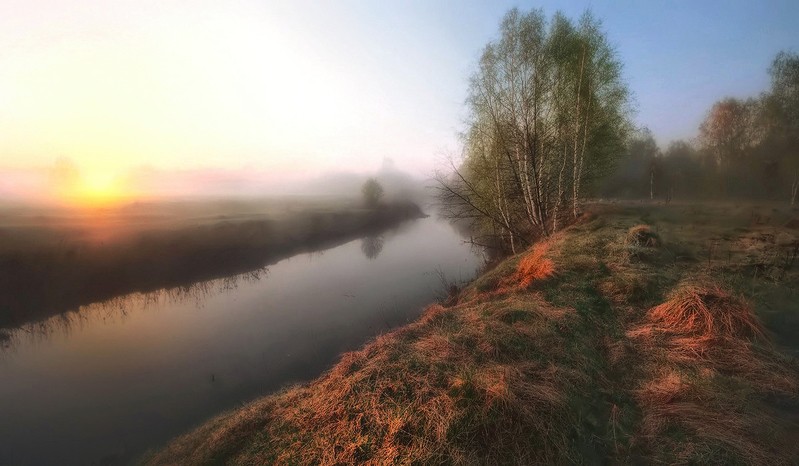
(64, 184)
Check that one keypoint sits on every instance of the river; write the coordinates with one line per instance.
(105, 383)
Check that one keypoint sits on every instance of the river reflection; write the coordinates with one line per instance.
(116, 309)
(371, 246)
(113, 379)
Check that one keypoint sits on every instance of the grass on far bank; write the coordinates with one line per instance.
(643, 334)
(55, 263)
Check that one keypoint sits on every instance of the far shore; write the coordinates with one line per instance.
(46, 268)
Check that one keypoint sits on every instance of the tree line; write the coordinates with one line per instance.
(549, 124)
(746, 149)
(548, 115)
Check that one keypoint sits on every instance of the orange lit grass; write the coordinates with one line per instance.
(706, 331)
(534, 266)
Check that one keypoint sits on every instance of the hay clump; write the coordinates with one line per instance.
(642, 236)
(533, 267)
(706, 313)
(709, 370)
(704, 326)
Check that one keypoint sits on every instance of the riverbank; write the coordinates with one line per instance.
(641, 334)
(48, 267)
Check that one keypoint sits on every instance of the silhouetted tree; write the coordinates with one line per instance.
(372, 192)
(682, 170)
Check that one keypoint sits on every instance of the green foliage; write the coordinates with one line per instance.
(549, 114)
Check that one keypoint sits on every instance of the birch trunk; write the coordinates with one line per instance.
(575, 192)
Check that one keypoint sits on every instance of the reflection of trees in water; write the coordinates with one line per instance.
(5, 339)
(117, 309)
(372, 245)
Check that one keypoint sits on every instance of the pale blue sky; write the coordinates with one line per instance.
(679, 56)
(294, 88)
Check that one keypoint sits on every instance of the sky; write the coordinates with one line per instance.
(114, 91)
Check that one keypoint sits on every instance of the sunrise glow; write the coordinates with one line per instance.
(98, 189)
(165, 87)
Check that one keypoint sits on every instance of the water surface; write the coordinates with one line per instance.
(105, 383)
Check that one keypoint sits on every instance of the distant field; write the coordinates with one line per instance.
(53, 260)
(30, 227)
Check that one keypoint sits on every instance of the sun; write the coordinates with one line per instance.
(98, 189)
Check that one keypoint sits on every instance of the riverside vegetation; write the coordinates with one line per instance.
(641, 333)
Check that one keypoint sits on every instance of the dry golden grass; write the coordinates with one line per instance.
(597, 363)
(459, 384)
(705, 314)
(697, 347)
(535, 266)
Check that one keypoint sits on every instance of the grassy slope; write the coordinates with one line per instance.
(563, 355)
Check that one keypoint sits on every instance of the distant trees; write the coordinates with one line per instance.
(745, 149)
(681, 168)
(730, 129)
(782, 113)
(638, 169)
(548, 114)
(755, 141)
(372, 192)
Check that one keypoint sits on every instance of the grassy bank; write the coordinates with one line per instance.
(50, 264)
(642, 334)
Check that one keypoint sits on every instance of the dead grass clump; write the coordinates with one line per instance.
(437, 346)
(705, 326)
(435, 313)
(665, 388)
(706, 314)
(534, 266)
(642, 236)
(707, 376)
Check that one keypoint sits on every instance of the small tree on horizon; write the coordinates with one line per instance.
(372, 192)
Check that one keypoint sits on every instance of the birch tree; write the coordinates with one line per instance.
(547, 111)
